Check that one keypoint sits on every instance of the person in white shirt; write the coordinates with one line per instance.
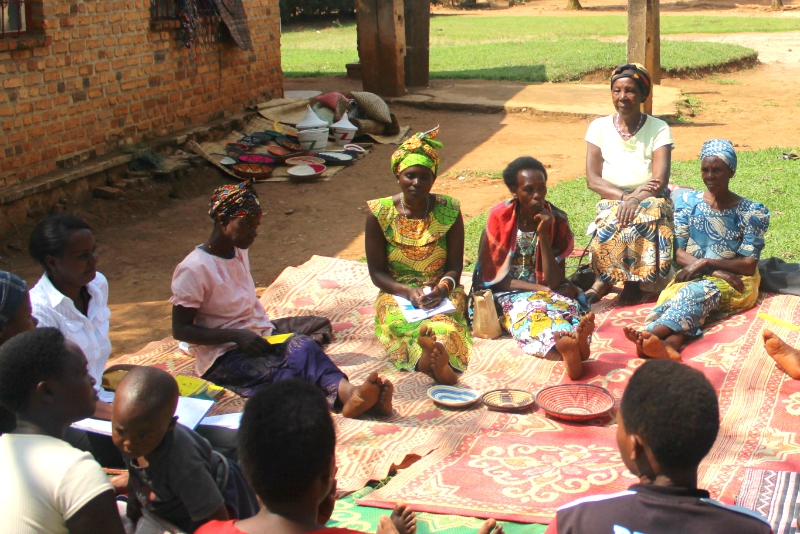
(48, 486)
(71, 295)
(627, 164)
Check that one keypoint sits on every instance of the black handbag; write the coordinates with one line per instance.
(584, 277)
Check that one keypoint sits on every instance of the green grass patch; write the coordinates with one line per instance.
(762, 176)
(532, 49)
(727, 82)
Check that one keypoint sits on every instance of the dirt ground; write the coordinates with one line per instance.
(141, 242)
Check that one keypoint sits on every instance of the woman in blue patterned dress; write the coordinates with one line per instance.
(718, 241)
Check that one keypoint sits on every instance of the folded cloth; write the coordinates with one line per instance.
(777, 276)
(773, 495)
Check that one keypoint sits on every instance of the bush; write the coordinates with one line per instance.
(292, 9)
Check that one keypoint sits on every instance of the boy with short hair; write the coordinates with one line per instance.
(667, 421)
(286, 446)
(48, 486)
(174, 473)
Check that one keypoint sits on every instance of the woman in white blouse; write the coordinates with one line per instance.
(71, 295)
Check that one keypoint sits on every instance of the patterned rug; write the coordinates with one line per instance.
(773, 494)
(521, 467)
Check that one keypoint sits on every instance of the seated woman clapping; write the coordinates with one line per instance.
(415, 240)
(718, 241)
(216, 310)
(521, 258)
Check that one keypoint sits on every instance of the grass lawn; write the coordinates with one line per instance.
(532, 49)
(761, 176)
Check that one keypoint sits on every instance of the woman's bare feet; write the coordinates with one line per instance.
(635, 337)
(631, 294)
(654, 347)
(491, 526)
(361, 398)
(597, 291)
(436, 354)
(385, 526)
(404, 518)
(567, 345)
(784, 355)
(384, 404)
(584, 331)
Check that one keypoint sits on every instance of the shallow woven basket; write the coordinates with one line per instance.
(575, 402)
(252, 170)
(507, 400)
(369, 126)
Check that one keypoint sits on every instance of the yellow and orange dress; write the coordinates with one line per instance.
(417, 252)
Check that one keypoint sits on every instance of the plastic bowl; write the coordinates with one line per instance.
(575, 402)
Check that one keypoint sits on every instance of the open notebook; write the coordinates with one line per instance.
(190, 412)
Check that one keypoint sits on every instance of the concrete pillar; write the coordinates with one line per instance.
(644, 40)
(382, 46)
(418, 34)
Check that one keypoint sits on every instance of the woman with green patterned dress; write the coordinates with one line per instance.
(415, 249)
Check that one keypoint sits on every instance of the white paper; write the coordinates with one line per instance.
(190, 412)
(228, 420)
(413, 314)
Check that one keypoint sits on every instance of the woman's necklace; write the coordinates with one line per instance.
(629, 135)
(427, 206)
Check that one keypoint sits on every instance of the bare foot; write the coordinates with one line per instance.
(597, 291)
(584, 331)
(567, 345)
(404, 518)
(426, 340)
(631, 294)
(785, 356)
(363, 397)
(654, 347)
(384, 404)
(385, 526)
(490, 526)
(440, 364)
(635, 337)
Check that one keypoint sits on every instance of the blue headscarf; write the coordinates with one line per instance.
(12, 291)
(721, 149)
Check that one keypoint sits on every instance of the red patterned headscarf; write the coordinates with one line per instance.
(234, 201)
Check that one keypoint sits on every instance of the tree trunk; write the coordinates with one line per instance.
(575, 4)
(777, 5)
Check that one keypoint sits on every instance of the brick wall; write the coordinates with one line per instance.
(94, 76)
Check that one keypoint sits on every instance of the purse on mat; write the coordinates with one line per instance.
(485, 322)
(584, 277)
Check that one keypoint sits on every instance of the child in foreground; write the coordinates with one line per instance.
(286, 446)
(174, 473)
(49, 487)
(668, 420)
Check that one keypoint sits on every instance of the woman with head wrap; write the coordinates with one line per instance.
(718, 240)
(627, 164)
(216, 310)
(415, 248)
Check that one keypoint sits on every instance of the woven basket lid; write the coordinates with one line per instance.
(311, 121)
(373, 106)
(330, 100)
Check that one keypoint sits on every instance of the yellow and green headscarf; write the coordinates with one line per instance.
(418, 150)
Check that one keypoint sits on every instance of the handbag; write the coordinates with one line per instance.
(584, 277)
(485, 321)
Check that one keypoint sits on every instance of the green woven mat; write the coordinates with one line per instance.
(348, 514)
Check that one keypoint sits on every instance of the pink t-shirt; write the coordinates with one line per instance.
(223, 292)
